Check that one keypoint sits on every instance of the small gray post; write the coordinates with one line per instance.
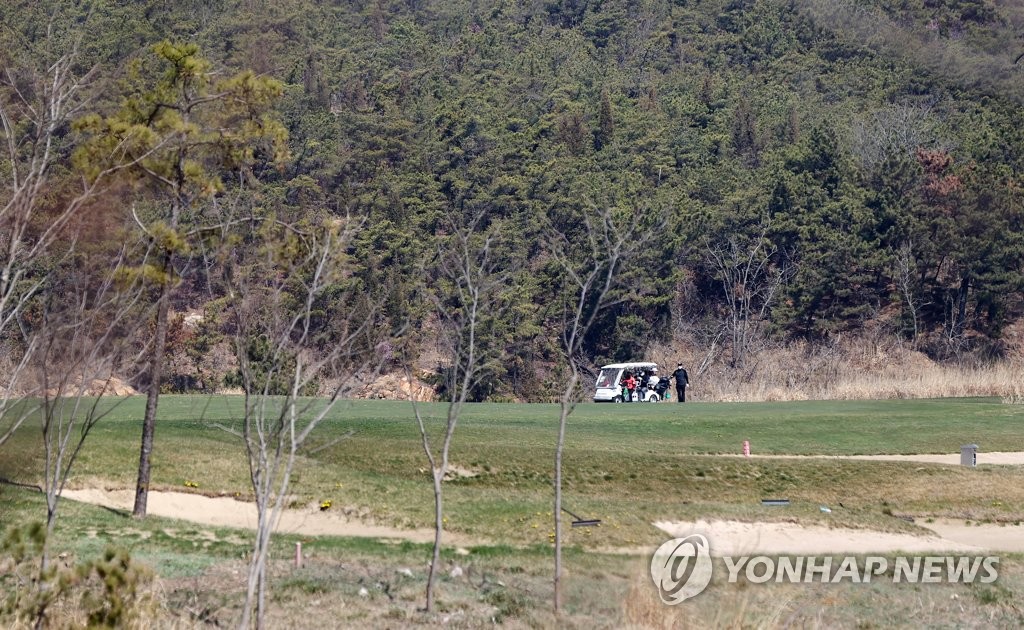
(969, 455)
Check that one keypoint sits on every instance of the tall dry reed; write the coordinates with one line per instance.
(852, 370)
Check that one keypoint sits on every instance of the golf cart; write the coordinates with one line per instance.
(608, 388)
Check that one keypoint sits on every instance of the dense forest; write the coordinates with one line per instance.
(796, 170)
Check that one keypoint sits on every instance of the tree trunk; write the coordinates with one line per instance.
(558, 514)
(152, 396)
(566, 408)
(961, 305)
(438, 530)
(254, 582)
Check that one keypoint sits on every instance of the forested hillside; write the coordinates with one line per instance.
(809, 169)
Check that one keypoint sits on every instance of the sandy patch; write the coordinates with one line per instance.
(1005, 458)
(990, 536)
(459, 472)
(228, 512)
(734, 538)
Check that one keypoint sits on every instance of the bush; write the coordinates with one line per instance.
(110, 592)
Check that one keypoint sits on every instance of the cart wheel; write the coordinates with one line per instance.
(617, 399)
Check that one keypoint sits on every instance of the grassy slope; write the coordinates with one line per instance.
(628, 465)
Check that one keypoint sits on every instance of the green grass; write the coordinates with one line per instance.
(628, 465)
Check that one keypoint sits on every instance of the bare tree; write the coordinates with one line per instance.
(64, 332)
(750, 281)
(694, 327)
(279, 287)
(955, 323)
(470, 296)
(85, 336)
(81, 333)
(596, 277)
(37, 103)
(906, 271)
(897, 130)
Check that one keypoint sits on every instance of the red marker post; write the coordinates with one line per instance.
(746, 448)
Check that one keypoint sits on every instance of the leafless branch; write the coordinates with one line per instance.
(750, 281)
(595, 282)
(471, 292)
(85, 332)
(276, 286)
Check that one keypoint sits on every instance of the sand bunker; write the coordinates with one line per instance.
(727, 537)
(1006, 459)
(988, 536)
(228, 512)
(734, 538)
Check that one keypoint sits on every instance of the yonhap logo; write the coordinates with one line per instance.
(681, 568)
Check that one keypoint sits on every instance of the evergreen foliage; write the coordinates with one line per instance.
(853, 130)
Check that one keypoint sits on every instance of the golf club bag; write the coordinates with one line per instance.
(661, 387)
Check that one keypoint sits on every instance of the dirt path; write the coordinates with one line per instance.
(734, 538)
(953, 459)
(228, 512)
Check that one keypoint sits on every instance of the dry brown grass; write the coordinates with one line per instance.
(147, 609)
(721, 606)
(881, 604)
(643, 608)
(852, 369)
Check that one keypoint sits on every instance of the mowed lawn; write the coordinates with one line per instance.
(628, 465)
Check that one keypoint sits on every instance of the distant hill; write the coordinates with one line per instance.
(821, 167)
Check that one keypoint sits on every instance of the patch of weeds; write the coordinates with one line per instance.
(509, 604)
(308, 584)
(993, 594)
(170, 564)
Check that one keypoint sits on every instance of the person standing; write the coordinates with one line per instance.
(682, 380)
(629, 384)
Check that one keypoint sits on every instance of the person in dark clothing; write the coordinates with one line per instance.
(682, 380)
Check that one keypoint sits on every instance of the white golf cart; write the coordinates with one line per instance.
(609, 388)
